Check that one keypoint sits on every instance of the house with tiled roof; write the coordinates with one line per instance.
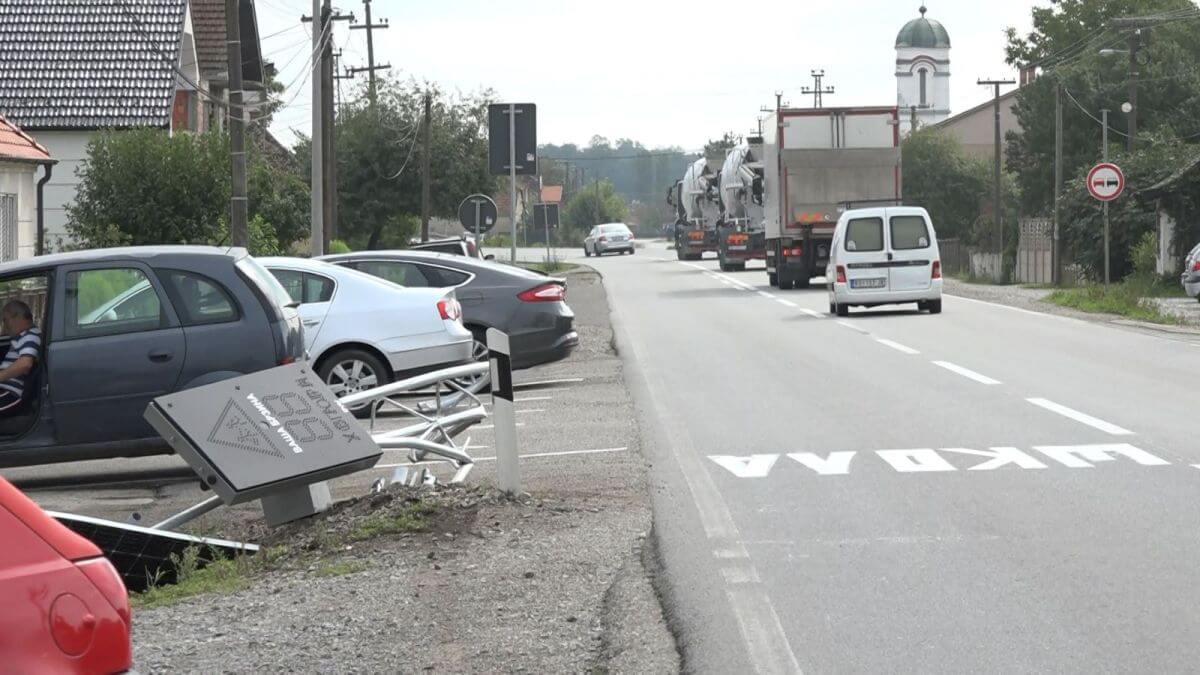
(21, 213)
(72, 68)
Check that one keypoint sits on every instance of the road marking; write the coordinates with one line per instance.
(493, 426)
(897, 346)
(1081, 456)
(766, 295)
(786, 303)
(567, 453)
(530, 411)
(754, 466)
(847, 324)
(817, 315)
(1082, 418)
(967, 373)
(531, 399)
(547, 383)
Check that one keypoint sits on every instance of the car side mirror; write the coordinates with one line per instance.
(489, 257)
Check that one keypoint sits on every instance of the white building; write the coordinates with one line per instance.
(922, 72)
(20, 158)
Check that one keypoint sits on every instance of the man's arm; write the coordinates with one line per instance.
(21, 367)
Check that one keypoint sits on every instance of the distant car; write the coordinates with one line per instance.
(65, 607)
(124, 326)
(607, 239)
(452, 245)
(884, 256)
(530, 307)
(1191, 273)
(362, 332)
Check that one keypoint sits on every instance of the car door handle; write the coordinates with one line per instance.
(160, 356)
(312, 322)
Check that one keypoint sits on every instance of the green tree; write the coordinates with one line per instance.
(719, 146)
(146, 186)
(594, 204)
(379, 160)
(940, 177)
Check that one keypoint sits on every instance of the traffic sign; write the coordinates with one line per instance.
(478, 214)
(545, 215)
(1106, 181)
(512, 139)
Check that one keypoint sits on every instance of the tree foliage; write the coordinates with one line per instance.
(379, 160)
(146, 186)
(939, 176)
(594, 204)
(636, 172)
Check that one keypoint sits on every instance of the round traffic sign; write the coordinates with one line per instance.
(1106, 181)
(478, 214)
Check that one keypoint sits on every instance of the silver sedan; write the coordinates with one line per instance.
(1191, 273)
(608, 238)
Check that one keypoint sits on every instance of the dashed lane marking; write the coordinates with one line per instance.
(1082, 418)
(847, 324)
(967, 373)
(817, 315)
(787, 303)
(897, 346)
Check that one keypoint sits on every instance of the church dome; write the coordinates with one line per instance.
(923, 33)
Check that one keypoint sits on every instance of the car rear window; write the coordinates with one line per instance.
(864, 235)
(199, 300)
(909, 232)
(266, 284)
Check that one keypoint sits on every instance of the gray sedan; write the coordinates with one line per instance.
(607, 239)
(530, 307)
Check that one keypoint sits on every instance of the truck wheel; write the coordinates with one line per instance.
(935, 306)
(803, 282)
(785, 282)
(841, 310)
(773, 279)
(740, 267)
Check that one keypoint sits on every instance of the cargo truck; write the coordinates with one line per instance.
(817, 162)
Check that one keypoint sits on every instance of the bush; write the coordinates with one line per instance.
(339, 246)
(1145, 256)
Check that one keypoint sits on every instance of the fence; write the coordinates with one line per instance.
(1035, 252)
(8, 227)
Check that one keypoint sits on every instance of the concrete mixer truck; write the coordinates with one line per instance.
(741, 233)
(694, 198)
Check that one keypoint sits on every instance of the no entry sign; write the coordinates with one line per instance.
(1106, 182)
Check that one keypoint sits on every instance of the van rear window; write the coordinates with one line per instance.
(864, 234)
(909, 232)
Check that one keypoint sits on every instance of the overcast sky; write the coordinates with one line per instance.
(662, 72)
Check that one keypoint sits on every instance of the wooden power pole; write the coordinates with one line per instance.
(238, 207)
(998, 206)
(370, 68)
(425, 178)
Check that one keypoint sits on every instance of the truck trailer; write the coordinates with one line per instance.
(818, 162)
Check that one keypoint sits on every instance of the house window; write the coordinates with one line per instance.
(922, 73)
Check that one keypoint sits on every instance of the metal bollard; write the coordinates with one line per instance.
(508, 471)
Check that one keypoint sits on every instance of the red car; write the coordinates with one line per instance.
(63, 607)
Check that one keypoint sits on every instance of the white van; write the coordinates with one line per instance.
(884, 256)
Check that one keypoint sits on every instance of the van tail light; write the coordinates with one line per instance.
(105, 578)
(841, 274)
(449, 309)
(544, 293)
(937, 270)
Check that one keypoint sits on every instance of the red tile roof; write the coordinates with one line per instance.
(551, 194)
(16, 144)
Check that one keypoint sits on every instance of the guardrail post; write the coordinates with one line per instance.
(508, 471)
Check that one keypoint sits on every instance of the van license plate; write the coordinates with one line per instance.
(868, 283)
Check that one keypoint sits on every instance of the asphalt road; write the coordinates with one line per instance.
(985, 490)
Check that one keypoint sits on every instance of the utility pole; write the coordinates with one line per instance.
(1135, 44)
(317, 231)
(1104, 154)
(816, 90)
(370, 68)
(1058, 180)
(238, 208)
(998, 207)
(337, 58)
(425, 167)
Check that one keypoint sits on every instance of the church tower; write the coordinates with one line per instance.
(922, 72)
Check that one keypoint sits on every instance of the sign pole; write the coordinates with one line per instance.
(512, 178)
(1104, 122)
(546, 222)
(477, 237)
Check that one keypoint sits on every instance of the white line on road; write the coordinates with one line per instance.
(1082, 418)
(847, 324)
(531, 456)
(786, 303)
(530, 399)
(547, 383)
(493, 426)
(766, 295)
(897, 346)
(966, 372)
(817, 315)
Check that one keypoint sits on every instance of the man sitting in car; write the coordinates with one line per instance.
(24, 350)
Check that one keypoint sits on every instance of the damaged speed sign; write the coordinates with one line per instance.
(1106, 181)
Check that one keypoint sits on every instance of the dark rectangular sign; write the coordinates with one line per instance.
(545, 215)
(262, 433)
(498, 133)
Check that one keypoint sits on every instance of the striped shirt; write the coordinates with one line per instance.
(26, 343)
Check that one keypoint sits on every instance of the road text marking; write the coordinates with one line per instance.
(1093, 422)
(965, 372)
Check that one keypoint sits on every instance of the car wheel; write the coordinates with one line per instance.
(632, 251)
(832, 308)
(935, 306)
(922, 306)
(479, 353)
(773, 279)
(841, 310)
(586, 252)
(352, 370)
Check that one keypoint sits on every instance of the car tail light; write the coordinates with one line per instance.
(602, 239)
(1196, 266)
(937, 270)
(841, 274)
(105, 578)
(287, 360)
(544, 293)
(449, 309)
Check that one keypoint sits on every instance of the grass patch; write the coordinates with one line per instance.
(1124, 299)
(411, 519)
(341, 569)
(552, 267)
(224, 575)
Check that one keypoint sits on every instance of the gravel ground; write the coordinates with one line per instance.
(553, 581)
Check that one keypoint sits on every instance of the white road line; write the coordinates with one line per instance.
(817, 315)
(530, 456)
(852, 327)
(493, 426)
(967, 373)
(531, 399)
(897, 346)
(547, 383)
(1082, 418)
(786, 303)
(766, 295)
(530, 411)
